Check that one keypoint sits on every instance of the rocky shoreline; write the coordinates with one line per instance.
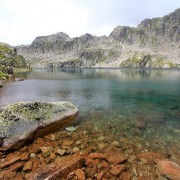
(82, 151)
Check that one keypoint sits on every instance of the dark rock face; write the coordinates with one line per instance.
(21, 123)
(157, 37)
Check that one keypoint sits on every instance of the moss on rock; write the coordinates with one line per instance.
(9, 60)
(22, 122)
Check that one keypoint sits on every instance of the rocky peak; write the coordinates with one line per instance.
(158, 37)
(86, 37)
(120, 33)
(51, 39)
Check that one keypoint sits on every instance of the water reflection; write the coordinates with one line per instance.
(138, 104)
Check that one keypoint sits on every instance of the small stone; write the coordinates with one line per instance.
(24, 156)
(28, 166)
(36, 164)
(116, 143)
(102, 138)
(169, 169)
(150, 156)
(71, 129)
(46, 151)
(101, 146)
(13, 159)
(78, 142)
(117, 170)
(1, 85)
(32, 155)
(116, 158)
(19, 79)
(17, 166)
(60, 152)
(77, 174)
(52, 156)
(67, 143)
(75, 150)
(53, 137)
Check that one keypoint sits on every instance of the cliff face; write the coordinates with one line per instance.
(154, 43)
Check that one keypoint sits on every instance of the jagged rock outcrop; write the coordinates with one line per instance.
(21, 123)
(153, 43)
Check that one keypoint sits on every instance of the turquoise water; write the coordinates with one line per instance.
(142, 106)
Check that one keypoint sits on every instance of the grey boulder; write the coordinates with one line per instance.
(21, 123)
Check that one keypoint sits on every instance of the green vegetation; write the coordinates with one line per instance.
(142, 60)
(11, 62)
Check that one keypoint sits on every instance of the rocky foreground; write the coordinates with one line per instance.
(154, 43)
(74, 153)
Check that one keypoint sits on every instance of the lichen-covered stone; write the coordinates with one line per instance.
(23, 122)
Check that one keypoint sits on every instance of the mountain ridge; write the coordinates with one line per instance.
(153, 43)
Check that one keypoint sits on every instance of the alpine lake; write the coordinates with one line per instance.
(138, 108)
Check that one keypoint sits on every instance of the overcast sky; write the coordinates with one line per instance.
(23, 20)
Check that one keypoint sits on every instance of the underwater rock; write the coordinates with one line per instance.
(60, 168)
(1, 85)
(71, 129)
(19, 79)
(21, 123)
(169, 169)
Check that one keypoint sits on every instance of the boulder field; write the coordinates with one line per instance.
(21, 123)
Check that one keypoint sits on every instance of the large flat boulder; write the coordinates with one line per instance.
(21, 123)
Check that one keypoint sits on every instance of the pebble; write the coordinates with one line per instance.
(24, 156)
(78, 142)
(117, 170)
(53, 137)
(32, 155)
(60, 152)
(116, 143)
(71, 129)
(75, 149)
(102, 138)
(28, 166)
(46, 151)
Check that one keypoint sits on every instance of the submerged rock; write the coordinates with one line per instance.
(23, 122)
(71, 129)
(169, 169)
(19, 79)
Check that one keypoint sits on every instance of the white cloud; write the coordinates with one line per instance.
(22, 20)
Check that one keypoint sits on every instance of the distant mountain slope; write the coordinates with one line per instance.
(154, 43)
(10, 61)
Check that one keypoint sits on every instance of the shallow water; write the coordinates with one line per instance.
(141, 106)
